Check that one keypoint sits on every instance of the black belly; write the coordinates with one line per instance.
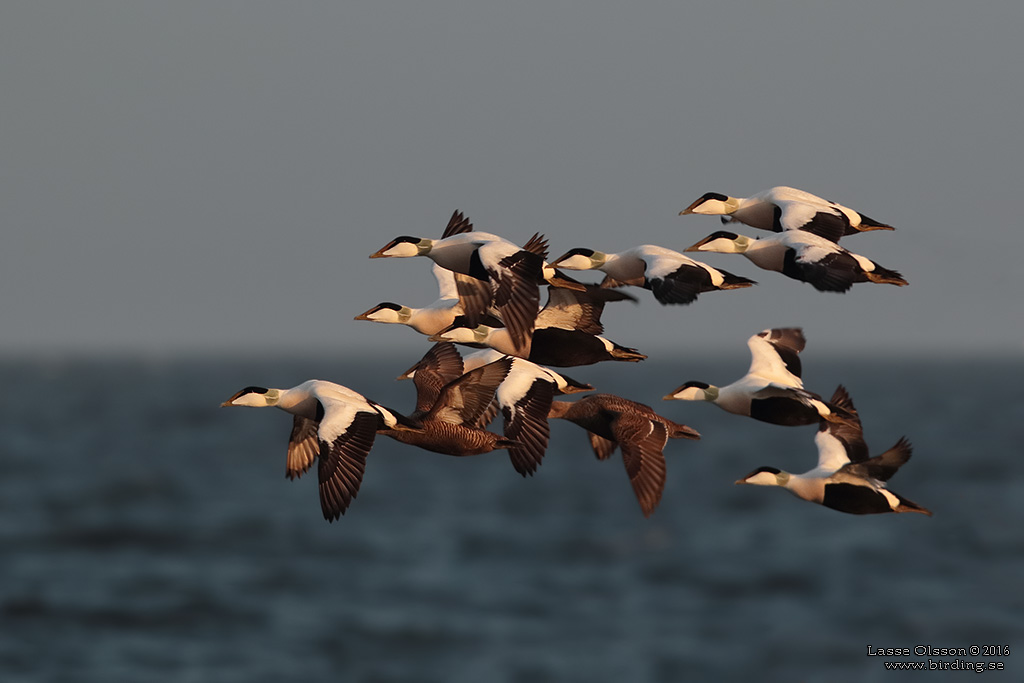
(565, 348)
(856, 500)
(783, 411)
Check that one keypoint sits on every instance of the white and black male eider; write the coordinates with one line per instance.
(641, 434)
(786, 208)
(512, 273)
(672, 277)
(772, 390)
(524, 399)
(802, 256)
(552, 346)
(845, 479)
(449, 404)
(566, 331)
(430, 319)
(333, 423)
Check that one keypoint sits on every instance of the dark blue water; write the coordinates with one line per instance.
(149, 535)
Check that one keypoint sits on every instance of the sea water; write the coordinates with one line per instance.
(148, 534)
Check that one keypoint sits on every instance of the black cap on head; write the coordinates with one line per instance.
(721, 234)
(771, 470)
(579, 251)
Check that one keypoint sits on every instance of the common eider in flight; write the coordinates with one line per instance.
(786, 208)
(513, 274)
(552, 346)
(641, 434)
(523, 399)
(430, 319)
(332, 423)
(802, 256)
(846, 479)
(672, 277)
(449, 404)
(566, 331)
(772, 390)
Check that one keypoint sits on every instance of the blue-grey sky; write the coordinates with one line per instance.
(188, 177)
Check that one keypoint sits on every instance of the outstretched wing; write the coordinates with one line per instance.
(774, 355)
(603, 448)
(303, 446)
(642, 443)
(346, 437)
(475, 296)
(848, 431)
(465, 399)
(457, 225)
(525, 410)
(571, 309)
(439, 366)
(515, 281)
(882, 467)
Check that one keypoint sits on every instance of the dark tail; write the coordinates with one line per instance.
(735, 281)
(574, 386)
(869, 224)
(626, 354)
(840, 415)
(679, 431)
(910, 506)
(885, 276)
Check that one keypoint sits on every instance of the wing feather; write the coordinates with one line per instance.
(457, 225)
(642, 443)
(774, 355)
(526, 422)
(303, 446)
(465, 399)
(343, 461)
(439, 366)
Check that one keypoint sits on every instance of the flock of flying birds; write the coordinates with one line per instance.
(489, 299)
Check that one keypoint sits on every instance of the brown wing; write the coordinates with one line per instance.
(603, 448)
(303, 447)
(457, 225)
(848, 431)
(882, 467)
(486, 417)
(516, 287)
(342, 463)
(642, 442)
(571, 310)
(475, 296)
(538, 244)
(439, 366)
(465, 400)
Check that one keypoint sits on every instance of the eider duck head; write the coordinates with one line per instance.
(404, 246)
(581, 259)
(723, 242)
(694, 391)
(387, 312)
(712, 204)
(253, 397)
(765, 476)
